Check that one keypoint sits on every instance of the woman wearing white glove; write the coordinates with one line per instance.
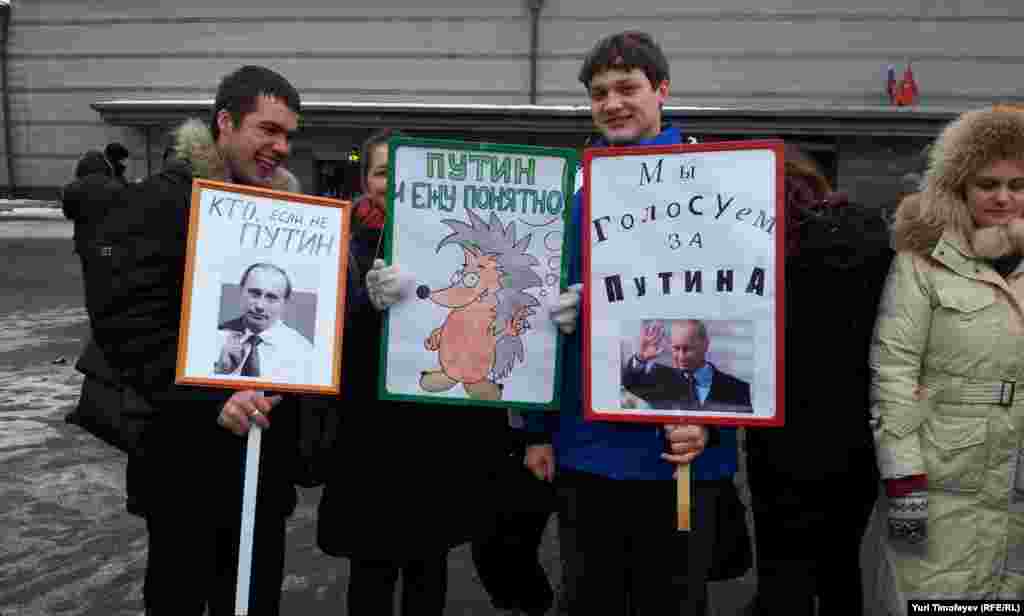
(369, 513)
(387, 284)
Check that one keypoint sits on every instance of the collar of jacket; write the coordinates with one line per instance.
(194, 145)
(669, 135)
(953, 251)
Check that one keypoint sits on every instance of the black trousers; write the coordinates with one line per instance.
(371, 586)
(193, 563)
(808, 539)
(629, 558)
(191, 480)
(506, 558)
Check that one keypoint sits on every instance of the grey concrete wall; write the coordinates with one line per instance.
(807, 52)
(66, 54)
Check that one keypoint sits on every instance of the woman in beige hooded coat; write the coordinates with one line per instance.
(946, 357)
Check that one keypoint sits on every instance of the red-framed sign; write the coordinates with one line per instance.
(683, 283)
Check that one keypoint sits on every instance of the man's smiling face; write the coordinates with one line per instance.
(260, 143)
(625, 106)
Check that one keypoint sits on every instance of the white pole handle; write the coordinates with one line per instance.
(252, 474)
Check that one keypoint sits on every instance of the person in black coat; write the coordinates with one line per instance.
(507, 558)
(106, 406)
(116, 154)
(86, 199)
(814, 480)
(193, 449)
(410, 481)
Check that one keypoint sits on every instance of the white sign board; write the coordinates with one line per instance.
(682, 255)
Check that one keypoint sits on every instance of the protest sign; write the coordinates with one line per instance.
(683, 283)
(480, 227)
(264, 296)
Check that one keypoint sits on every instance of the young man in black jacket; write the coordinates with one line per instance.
(193, 449)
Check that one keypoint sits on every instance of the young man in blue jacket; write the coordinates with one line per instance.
(615, 480)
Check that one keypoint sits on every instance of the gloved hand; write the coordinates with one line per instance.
(384, 283)
(908, 517)
(565, 312)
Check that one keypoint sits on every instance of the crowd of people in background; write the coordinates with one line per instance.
(904, 341)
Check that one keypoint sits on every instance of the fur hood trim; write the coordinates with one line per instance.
(909, 231)
(193, 143)
(969, 143)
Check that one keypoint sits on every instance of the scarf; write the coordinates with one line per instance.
(368, 215)
(1005, 264)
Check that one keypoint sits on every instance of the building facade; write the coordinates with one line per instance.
(83, 74)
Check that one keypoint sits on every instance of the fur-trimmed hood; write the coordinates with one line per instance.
(969, 143)
(909, 232)
(193, 143)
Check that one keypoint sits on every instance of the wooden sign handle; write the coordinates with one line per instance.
(683, 496)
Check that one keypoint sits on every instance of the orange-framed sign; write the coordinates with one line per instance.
(683, 280)
(263, 303)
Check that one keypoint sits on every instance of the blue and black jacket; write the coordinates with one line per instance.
(615, 450)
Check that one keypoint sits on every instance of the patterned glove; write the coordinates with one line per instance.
(566, 309)
(384, 284)
(908, 510)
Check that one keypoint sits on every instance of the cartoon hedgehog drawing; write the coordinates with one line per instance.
(481, 338)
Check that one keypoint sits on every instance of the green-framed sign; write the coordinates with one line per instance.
(481, 228)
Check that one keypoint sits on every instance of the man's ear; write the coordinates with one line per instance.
(224, 121)
(662, 91)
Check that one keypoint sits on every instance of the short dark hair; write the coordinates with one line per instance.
(116, 152)
(239, 91)
(268, 266)
(93, 162)
(376, 138)
(626, 51)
